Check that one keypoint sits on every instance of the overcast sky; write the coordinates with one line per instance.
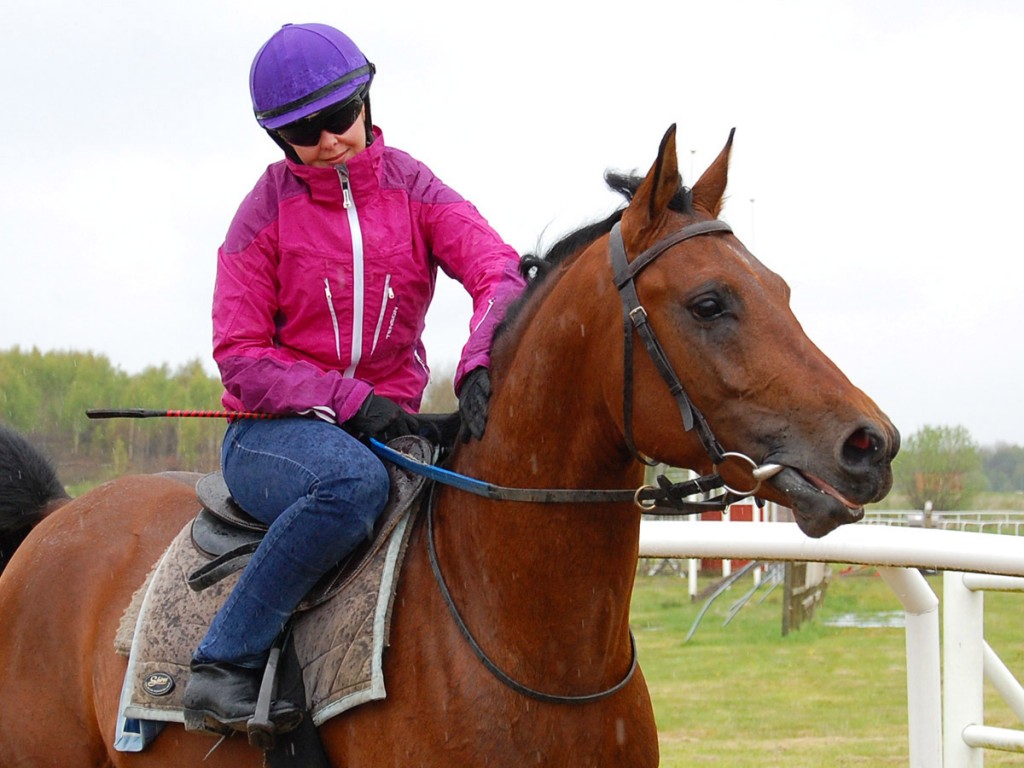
(878, 163)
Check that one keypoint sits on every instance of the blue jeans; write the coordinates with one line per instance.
(320, 490)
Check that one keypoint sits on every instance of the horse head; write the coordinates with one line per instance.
(768, 392)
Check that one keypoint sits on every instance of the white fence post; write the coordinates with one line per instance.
(963, 662)
(693, 565)
(924, 672)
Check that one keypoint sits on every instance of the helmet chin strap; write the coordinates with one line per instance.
(368, 119)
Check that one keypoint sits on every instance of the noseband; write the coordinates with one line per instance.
(634, 318)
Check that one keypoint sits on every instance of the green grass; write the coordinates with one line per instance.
(742, 695)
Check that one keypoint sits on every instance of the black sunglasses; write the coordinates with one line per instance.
(306, 132)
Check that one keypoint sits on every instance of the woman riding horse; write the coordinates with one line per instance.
(322, 287)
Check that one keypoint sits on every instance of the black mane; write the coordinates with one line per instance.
(536, 267)
(29, 481)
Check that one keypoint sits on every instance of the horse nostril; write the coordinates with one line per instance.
(863, 446)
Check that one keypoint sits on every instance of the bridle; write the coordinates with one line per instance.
(634, 319)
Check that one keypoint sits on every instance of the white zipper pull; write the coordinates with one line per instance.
(334, 317)
(388, 295)
(346, 188)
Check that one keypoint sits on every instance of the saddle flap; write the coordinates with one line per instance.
(212, 536)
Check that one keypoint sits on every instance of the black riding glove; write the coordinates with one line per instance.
(383, 419)
(473, 400)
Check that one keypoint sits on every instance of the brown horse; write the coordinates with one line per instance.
(543, 588)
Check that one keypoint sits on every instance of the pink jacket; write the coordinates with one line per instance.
(325, 276)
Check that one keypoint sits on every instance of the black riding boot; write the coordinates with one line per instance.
(221, 698)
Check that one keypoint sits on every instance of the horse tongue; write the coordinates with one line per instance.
(824, 487)
(817, 507)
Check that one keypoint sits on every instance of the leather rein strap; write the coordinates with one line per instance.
(481, 654)
(634, 318)
(667, 499)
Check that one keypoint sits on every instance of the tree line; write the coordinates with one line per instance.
(944, 465)
(45, 396)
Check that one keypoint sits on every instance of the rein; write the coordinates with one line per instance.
(481, 654)
(667, 499)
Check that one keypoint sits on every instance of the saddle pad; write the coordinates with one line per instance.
(339, 642)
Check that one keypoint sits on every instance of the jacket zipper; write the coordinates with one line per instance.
(358, 286)
(389, 294)
(334, 317)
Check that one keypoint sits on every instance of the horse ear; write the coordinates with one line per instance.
(710, 188)
(652, 197)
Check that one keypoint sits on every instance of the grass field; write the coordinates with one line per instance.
(741, 695)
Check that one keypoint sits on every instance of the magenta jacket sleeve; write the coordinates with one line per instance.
(469, 249)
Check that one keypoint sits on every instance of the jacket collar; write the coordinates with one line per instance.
(363, 172)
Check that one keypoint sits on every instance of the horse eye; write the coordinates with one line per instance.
(707, 308)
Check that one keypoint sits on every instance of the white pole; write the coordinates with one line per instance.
(924, 672)
(979, 581)
(1003, 680)
(756, 518)
(986, 736)
(694, 565)
(862, 544)
(963, 664)
(726, 563)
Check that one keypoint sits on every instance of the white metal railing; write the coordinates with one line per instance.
(898, 552)
(967, 660)
(1009, 522)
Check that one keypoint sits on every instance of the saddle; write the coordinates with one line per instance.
(338, 632)
(228, 535)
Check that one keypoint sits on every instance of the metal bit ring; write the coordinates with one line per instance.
(753, 466)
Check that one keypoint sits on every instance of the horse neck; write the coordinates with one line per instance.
(548, 574)
(557, 380)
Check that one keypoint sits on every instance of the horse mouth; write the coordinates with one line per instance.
(817, 506)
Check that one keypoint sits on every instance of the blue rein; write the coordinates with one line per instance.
(666, 498)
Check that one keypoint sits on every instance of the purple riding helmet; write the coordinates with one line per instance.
(303, 69)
